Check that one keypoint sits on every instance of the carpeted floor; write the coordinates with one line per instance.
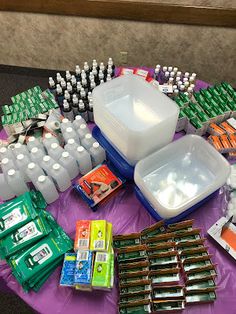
(14, 80)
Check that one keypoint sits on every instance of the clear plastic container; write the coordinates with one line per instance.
(181, 175)
(134, 116)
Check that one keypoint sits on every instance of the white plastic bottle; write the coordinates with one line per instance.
(78, 122)
(6, 193)
(69, 163)
(71, 147)
(22, 162)
(34, 171)
(88, 141)
(47, 163)
(84, 160)
(83, 130)
(20, 149)
(60, 177)
(55, 151)
(37, 155)
(97, 153)
(7, 164)
(70, 133)
(6, 153)
(16, 182)
(49, 139)
(65, 123)
(34, 142)
(47, 188)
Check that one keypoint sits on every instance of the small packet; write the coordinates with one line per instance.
(200, 297)
(24, 236)
(82, 235)
(182, 226)
(142, 73)
(193, 234)
(226, 143)
(102, 271)
(160, 248)
(126, 71)
(131, 253)
(191, 253)
(214, 129)
(138, 307)
(205, 272)
(122, 241)
(163, 258)
(168, 292)
(201, 285)
(196, 262)
(133, 267)
(83, 269)
(144, 286)
(228, 128)
(68, 270)
(133, 277)
(98, 235)
(161, 238)
(168, 305)
(188, 245)
(215, 141)
(165, 276)
(135, 298)
(153, 230)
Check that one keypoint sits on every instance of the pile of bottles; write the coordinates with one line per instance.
(48, 165)
(181, 82)
(74, 92)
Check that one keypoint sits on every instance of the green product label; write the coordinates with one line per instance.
(135, 289)
(131, 255)
(124, 243)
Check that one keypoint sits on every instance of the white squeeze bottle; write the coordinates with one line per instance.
(22, 162)
(82, 131)
(84, 160)
(34, 142)
(69, 163)
(78, 122)
(7, 164)
(6, 153)
(70, 133)
(71, 147)
(37, 155)
(47, 188)
(47, 163)
(97, 153)
(55, 151)
(49, 139)
(65, 123)
(16, 182)
(6, 193)
(60, 177)
(33, 171)
(88, 141)
(20, 149)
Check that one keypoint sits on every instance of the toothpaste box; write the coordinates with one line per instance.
(98, 235)
(68, 270)
(83, 269)
(82, 236)
(102, 271)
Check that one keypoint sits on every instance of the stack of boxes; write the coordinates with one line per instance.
(163, 269)
(212, 105)
(91, 266)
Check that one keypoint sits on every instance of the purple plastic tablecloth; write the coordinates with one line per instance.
(127, 215)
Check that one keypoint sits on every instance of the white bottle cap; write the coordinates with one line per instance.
(176, 91)
(186, 74)
(11, 172)
(83, 126)
(31, 139)
(21, 156)
(102, 81)
(78, 117)
(54, 145)
(65, 154)
(178, 73)
(164, 68)
(186, 93)
(18, 145)
(80, 149)
(46, 158)
(186, 84)
(170, 69)
(167, 74)
(48, 135)
(172, 74)
(5, 161)
(34, 150)
(3, 150)
(192, 85)
(31, 165)
(69, 130)
(158, 66)
(171, 80)
(177, 79)
(182, 87)
(56, 166)
(65, 104)
(175, 87)
(194, 75)
(65, 120)
(179, 83)
(41, 179)
(190, 90)
(88, 136)
(185, 79)
(175, 69)
(58, 74)
(96, 145)
(71, 141)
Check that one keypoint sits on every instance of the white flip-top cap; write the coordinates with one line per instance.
(96, 145)
(65, 120)
(5, 161)
(11, 172)
(48, 135)
(56, 166)
(3, 150)
(20, 156)
(78, 117)
(88, 136)
(34, 150)
(31, 165)
(71, 141)
(18, 145)
(69, 130)
(31, 139)
(65, 154)
(54, 145)
(83, 126)
(46, 158)
(80, 149)
(41, 179)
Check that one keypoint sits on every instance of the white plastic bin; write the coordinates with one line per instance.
(134, 116)
(180, 175)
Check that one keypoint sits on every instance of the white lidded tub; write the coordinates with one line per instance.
(180, 175)
(134, 116)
